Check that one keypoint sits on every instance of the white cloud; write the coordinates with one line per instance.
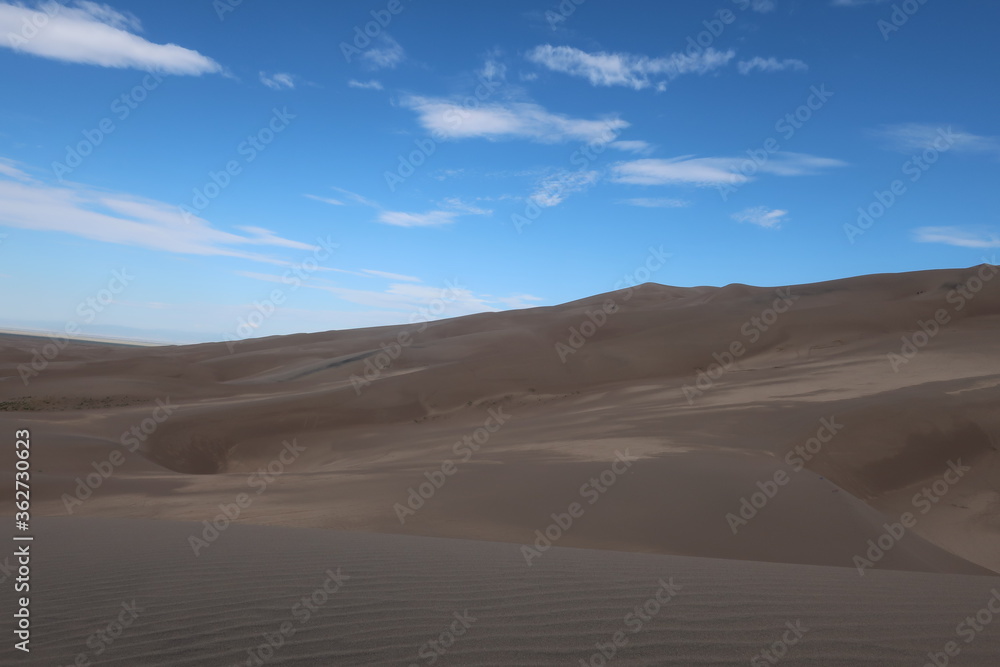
(771, 65)
(686, 170)
(913, 137)
(124, 219)
(456, 204)
(392, 276)
(521, 120)
(625, 69)
(709, 171)
(556, 188)
(956, 236)
(94, 34)
(519, 300)
(633, 146)
(428, 219)
(656, 202)
(326, 200)
(278, 80)
(762, 217)
(385, 55)
(371, 84)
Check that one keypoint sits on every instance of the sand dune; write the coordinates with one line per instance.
(849, 424)
(333, 598)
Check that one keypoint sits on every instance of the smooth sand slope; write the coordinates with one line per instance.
(852, 423)
(360, 448)
(329, 598)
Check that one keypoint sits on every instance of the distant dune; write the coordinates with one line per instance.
(851, 424)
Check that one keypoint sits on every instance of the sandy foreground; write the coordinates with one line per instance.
(838, 444)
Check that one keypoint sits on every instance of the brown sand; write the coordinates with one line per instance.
(397, 593)
(897, 431)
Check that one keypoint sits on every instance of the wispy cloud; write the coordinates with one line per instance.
(392, 276)
(124, 219)
(519, 300)
(625, 69)
(710, 171)
(958, 236)
(515, 120)
(762, 217)
(633, 146)
(371, 84)
(436, 218)
(386, 53)
(278, 80)
(656, 202)
(326, 200)
(771, 65)
(556, 188)
(911, 137)
(763, 6)
(95, 34)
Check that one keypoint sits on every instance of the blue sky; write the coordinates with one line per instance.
(225, 157)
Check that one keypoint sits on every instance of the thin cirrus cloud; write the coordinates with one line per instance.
(555, 188)
(111, 217)
(371, 84)
(714, 171)
(772, 64)
(278, 80)
(957, 236)
(656, 202)
(762, 217)
(450, 210)
(633, 146)
(625, 69)
(95, 34)
(913, 137)
(385, 53)
(514, 120)
(326, 200)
